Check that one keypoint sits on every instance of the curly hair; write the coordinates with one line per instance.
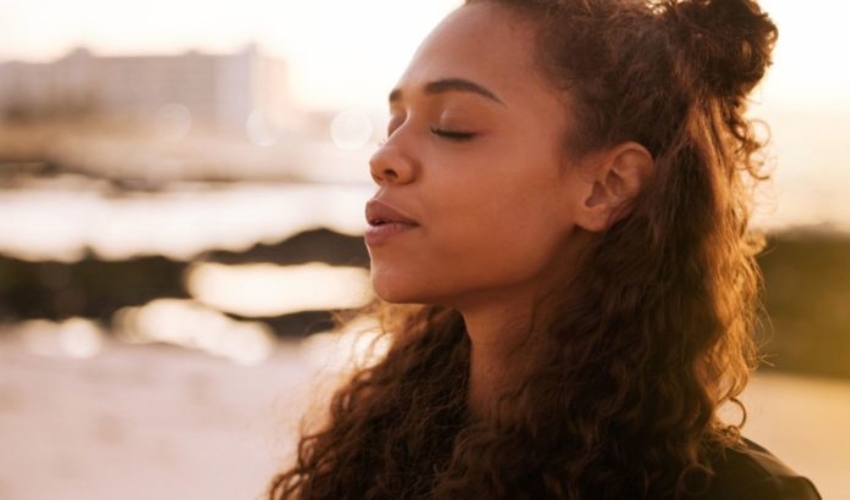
(625, 403)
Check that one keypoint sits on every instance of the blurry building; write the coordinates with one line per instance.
(228, 92)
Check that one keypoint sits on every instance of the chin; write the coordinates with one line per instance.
(397, 288)
(395, 294)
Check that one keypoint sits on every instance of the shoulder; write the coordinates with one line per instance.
(750, 472)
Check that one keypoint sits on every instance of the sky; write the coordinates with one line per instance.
(342, 53)
(347, 53)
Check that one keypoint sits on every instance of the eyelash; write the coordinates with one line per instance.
(452, 135)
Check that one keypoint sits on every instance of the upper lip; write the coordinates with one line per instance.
(379, 212)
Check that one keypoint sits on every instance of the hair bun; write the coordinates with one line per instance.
(727, 42)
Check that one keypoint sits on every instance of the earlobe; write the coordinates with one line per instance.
(616, 177)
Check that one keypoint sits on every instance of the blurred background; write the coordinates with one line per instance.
(181, 199)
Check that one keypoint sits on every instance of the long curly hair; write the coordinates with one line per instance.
(657, 337)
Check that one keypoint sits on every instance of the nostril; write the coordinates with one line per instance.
(390, 174)
(389, 165)
(386, 174)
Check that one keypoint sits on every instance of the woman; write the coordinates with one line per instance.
(564, 192)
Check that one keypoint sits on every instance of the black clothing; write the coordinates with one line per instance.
(750, 472)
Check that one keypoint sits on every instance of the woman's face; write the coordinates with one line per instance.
(475, 197)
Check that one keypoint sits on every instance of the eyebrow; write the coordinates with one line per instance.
(452, 85)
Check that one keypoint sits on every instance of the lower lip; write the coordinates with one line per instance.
(377, 235)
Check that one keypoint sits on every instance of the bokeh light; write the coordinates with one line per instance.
(259, 131)
(351, 129)
(74, 337)
(195, 326)
(63, 222)
(257, 290)
(173, 122)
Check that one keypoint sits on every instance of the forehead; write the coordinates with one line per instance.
(483, 43)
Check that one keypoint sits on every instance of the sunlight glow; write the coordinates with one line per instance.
(351, 129)
(195, 326)
(349, 53)
(63, 222)
(257, 290)
(259, 131)
(809, 69)
(173, 122)
(359, 345)
(342, 53)
(74, 337)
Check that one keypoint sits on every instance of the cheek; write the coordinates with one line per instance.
(511, 235)
(487, 226)
(517, 247)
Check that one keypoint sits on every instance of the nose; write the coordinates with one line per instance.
(389, 165)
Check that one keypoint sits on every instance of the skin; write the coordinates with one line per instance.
(476, 155)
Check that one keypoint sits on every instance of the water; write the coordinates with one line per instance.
(60, 219)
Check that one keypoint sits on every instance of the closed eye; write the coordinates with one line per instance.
(454, 135)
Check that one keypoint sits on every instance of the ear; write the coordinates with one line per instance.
(614, 178)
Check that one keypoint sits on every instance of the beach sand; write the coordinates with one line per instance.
(160, 422)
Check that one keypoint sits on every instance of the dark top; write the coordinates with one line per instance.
(751, 472)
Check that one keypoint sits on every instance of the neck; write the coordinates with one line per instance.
(505, 349)
(503, 352)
